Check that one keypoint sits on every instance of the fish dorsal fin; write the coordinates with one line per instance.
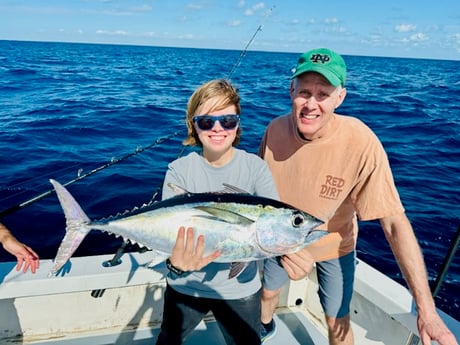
(228, 188)
(225, 215)
(236, 268)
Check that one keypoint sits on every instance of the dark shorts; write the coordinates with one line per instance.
(238, 319)
(336, 278)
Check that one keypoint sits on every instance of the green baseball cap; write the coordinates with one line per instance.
(325, 62)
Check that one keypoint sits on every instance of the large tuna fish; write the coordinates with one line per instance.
(242, 227)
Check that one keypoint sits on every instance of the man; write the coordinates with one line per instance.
(26, 257)
(335, 168)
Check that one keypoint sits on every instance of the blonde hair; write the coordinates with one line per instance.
(223, 95)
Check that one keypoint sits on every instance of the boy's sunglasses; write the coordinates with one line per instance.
(206, 122)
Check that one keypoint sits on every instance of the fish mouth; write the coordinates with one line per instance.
(315, 235)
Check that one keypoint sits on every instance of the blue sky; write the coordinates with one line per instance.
(398, 28)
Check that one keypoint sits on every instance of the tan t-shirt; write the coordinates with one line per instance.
(336, 177)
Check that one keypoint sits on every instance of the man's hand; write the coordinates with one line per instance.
(433, 328)
(298, 265)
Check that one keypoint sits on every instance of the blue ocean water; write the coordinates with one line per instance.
(69, 109)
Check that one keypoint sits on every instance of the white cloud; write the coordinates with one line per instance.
(112, 33)
(405, 28)
(456, 41)
(186, 37)
(331, 20)
(258, 6)
(141, 9)
(234, 23)
(118, 11)
(335, 29)
(254, 8)
(194, 7)
(419, 37)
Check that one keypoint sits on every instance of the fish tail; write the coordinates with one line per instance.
(76, 227)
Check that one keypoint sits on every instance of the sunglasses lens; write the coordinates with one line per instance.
(229, 121)
(206, 122)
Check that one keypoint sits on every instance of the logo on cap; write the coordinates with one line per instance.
(323, 58)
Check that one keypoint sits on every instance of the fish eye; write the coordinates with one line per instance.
(297, 219)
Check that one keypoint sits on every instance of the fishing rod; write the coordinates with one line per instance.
(243, 52)
(446, 264)
(81, 176)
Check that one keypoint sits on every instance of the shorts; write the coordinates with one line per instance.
(274, 275)
(335, 279)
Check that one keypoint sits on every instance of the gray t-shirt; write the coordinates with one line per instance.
(246, 171)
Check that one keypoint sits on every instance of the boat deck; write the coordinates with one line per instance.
(292, 328)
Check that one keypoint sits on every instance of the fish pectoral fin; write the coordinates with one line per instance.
(236, 268)
(226, 215)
